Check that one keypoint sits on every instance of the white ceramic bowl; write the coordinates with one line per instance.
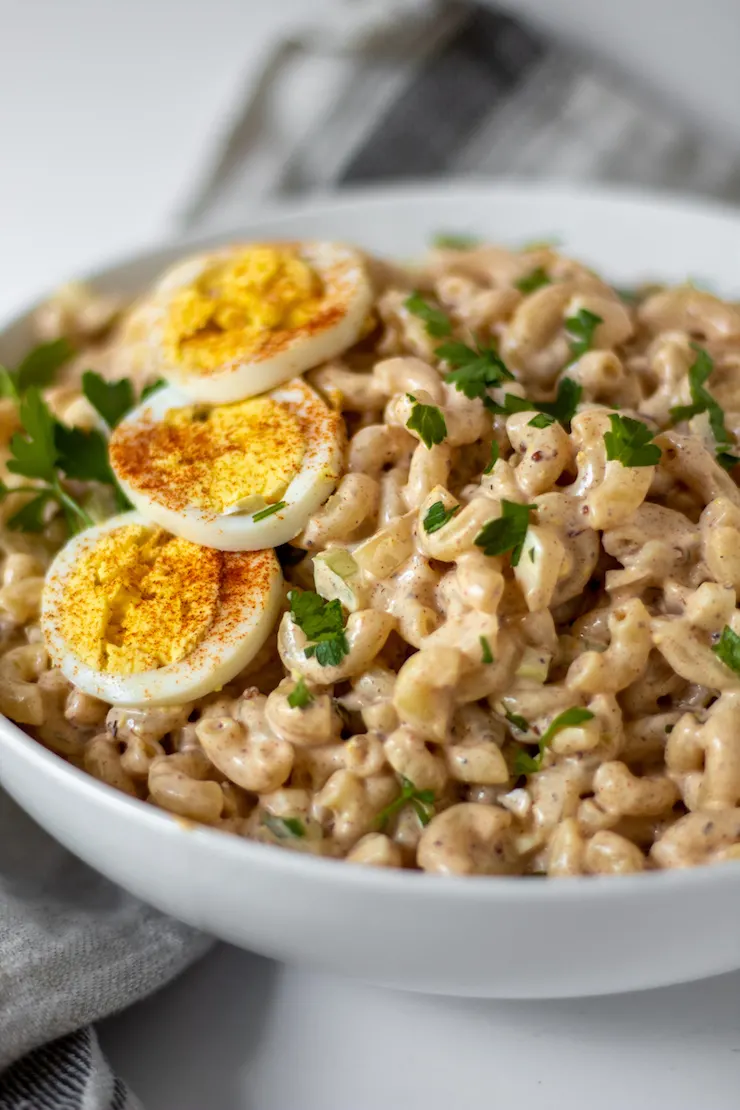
(499, 938)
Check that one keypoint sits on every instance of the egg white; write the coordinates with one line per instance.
(234, 530)
(238, 632)
(347, 284)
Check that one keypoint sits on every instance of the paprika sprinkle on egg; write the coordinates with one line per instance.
(139, 599)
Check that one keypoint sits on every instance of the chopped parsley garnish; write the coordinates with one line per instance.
(494, 457)
(511, 404)
(153, 387)
(35, 455)
(454, 242)
(630, 442)
(437, 322)
(269, 510)
(438, 516)
(526, 764)
(422, 802)
(111, 400)
(83, 455)
(531, 282)
(46, 450)
(580, 329)
(300, 696)
(531, 554)
(519, 723)
(321, 622)
(486, 655)
(474, 369)
(507, 533)
(38, 368)
(703, 401)
(728, 649)
(563, 408)
(541, 420)
(284, 826)
(428, 421)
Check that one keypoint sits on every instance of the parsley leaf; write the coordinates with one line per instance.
(494, 457)
(111, 400)
(153, 387)
(437, 322)
(8, 387)
(300, 696)
(703, 401)
(541, 420)
(474, 369)
(454, 242)
(531, 282)
(83, 455)
(323, 623)
(428, 421)
(38, 368)
(422, 802)
(581, 328)
(526, 764)
(629, 442)
(313, 615)
(47, 447)
(507, 533)
(31, 517)
(34, 454)
(563, 408)
(269, 510)
(568, 719)
(728, 649)
(41, 364)
(486, 655)
(283, 826)
(438, 516)
(511, 404)
(518, 722)
(330, 651)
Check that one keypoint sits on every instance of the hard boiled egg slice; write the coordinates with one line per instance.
(135, 616)
(238, 477)
(236, 322)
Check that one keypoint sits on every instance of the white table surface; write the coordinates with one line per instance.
(238, 1032)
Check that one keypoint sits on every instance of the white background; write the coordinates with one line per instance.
(78, 183)
(109, 107)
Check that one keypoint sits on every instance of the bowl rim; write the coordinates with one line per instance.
(418, 190)
(378, 881)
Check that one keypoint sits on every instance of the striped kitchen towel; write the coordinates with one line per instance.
(411, 89)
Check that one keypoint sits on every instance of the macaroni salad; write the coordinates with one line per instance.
(508, 642)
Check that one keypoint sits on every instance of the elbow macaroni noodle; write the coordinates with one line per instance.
(409, 752)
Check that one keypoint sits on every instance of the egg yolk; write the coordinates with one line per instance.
(223, 315)
(242, 455)
(140, 599)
